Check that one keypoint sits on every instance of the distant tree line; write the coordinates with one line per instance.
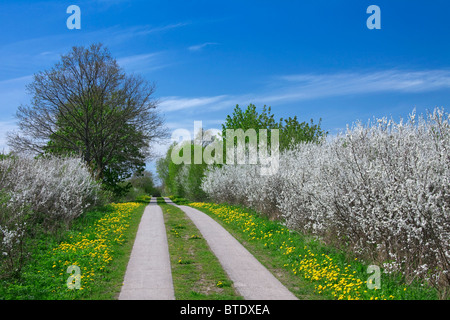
(184, 180)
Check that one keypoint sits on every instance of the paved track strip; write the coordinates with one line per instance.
(149, 275)
(251, 279)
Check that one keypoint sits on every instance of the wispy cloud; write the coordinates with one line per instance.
(150, 29)
(13, 93)
(15, 81)
(56, 44)
(199, 47)
(300, 87)
(118, 34)
(312, 86)
(142, 62)
(169, 104)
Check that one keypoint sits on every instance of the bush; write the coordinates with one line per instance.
(40, 195)
(179, 200)
(141, 185)
(55, 189)
(381, 191)
(13, 229)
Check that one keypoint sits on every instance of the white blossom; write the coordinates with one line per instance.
(58, 188)
(382, 190)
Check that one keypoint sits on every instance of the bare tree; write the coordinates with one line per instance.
(87, 106)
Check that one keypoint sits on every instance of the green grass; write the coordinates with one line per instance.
(310, 269)
(196, 272)
(110, 289)
(99, 243)
(143, 199)
(179, 201)
(160, 200)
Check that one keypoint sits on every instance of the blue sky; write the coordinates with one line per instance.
(311, 58)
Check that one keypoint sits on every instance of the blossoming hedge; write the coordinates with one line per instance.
(39, 195)
(329, 275)
(381, 190)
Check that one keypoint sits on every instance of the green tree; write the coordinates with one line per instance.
(87, 106)
(143, 181)
(291, 131)
(182, 180)
(249, 119)
(162, 170)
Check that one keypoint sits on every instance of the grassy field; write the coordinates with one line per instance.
(196, 272)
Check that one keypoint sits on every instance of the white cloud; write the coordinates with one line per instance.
(142, 62)
(116, 35)
(300, 87)
(51, 46)
(201, 46)
(313, 86)
(139, 58)
(169, 104)
(15, 81)
(13, 93)
(145, 30)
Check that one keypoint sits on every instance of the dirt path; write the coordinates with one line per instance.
(148, 275)
(252, 280)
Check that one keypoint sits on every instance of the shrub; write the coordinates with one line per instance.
(179, 200)
(40, 194)
(381, 191)
(56, 189)
(12, 235)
